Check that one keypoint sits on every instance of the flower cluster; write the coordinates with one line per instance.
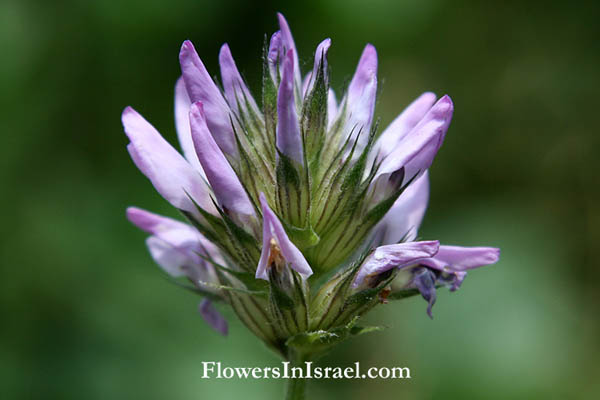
(301, 216)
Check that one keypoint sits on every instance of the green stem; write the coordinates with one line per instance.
(296, 387)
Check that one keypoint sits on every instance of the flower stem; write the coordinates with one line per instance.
(296, 386)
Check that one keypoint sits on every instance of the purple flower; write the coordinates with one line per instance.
(172, 176)
(200, 87)
(287, 44)
(295, 190)
(236, 92)
(227, 187)
(213, 317)
(413, 153)
(402, 125)
(178, 249)
(448, 268)
(275, 238)
(425, 280)
(457, 260)
(386, 258)
(402, 221)
(289, 141)
(359, 104)
(275, 55)
(182, 125)
(320, 63)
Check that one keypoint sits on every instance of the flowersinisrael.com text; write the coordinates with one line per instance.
(214, 369)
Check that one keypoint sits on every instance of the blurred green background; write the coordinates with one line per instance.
(85, 312)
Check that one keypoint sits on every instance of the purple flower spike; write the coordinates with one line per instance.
(415, 152)
(213, 317)
(403, 124)
(274, 234)
(400, 255)
(227, 187)
(201, 87)
(345, 206)
(360, 100)
(287, 42)
(402, 221)
(236, 91)
(289, 141)
(172, 176)
(320, 63)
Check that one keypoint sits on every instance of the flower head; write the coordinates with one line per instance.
(300, 215)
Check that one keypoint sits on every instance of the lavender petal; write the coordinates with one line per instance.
(273, 230)
(392, 256)
(289, 141)
(213, 317)
(228, 190)
(172, 176)
(201, 87)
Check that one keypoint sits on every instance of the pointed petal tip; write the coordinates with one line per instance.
(187, 50)
(187, 45)
(127, 113)
(370, 48)
(428, 95)
(287, 41)
(322, 49)
(225, 54)
(144, 220)
(134, 123)
(369, 56)
(283, 24)
(443, 111)
(445, 104)
(134, 214)
(325, 43)
(131, 211)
